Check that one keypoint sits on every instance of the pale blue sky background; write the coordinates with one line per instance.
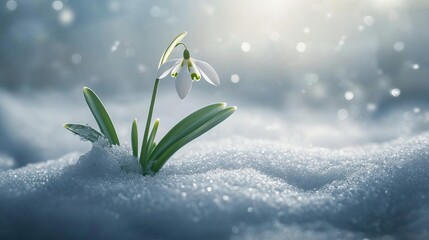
(301, 51)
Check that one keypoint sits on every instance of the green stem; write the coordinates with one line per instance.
(143, 157)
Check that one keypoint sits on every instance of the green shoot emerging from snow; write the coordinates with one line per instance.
(154, 155)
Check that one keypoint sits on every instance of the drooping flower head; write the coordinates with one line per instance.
(186, 71)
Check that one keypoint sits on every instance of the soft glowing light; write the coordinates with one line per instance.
(342, 40)
(416, 110)
(399, 46)
(349, 95)
(395, 92)
(57, 5)
(76, 58)
(235, 78)
(115, 46)
(416, 66)
(66, 16)
(11, 5)
(371, 107)
(245, 47)
(301, 47)
(368, 20)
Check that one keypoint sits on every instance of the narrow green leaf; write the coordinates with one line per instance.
(187, 125)
(134, 139)
(160, 158)
(101, 116)
(170, 48)
(147, 149)
(152, 147)
(151, 140)
(85, 132)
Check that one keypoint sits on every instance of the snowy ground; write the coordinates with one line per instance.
(229, 188)
(259, 175)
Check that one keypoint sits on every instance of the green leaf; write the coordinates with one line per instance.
(188, 129)
(151, 140)
(144, 155)
(85, 132)
(186, 126)
(152, 147)
(170, 48)
(101, 116)
(134, 139)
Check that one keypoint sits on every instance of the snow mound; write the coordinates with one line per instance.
(226, 189)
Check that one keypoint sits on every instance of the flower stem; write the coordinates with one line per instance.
(180, 43)
(143, 157)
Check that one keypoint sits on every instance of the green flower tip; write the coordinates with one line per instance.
(195, 77)
(186, 54)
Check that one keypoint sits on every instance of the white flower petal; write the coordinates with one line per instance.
(208, 72)
(177, 68)
(183, 83)
(195, 73)
(166, 68)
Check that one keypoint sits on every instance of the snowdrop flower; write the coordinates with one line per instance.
(187, 70)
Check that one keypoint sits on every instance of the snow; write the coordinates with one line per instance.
(235, 188)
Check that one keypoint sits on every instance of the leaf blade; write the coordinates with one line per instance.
(134, 139)
(149, 145)
(187, 125)
(212, 122)
(170, 48)
(101, 116)
(84, 131)
(151, 140)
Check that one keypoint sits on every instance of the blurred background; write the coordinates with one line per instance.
(311, 72)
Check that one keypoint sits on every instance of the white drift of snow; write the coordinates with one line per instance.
(233, 188)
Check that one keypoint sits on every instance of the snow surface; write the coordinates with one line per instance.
(235, 188)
